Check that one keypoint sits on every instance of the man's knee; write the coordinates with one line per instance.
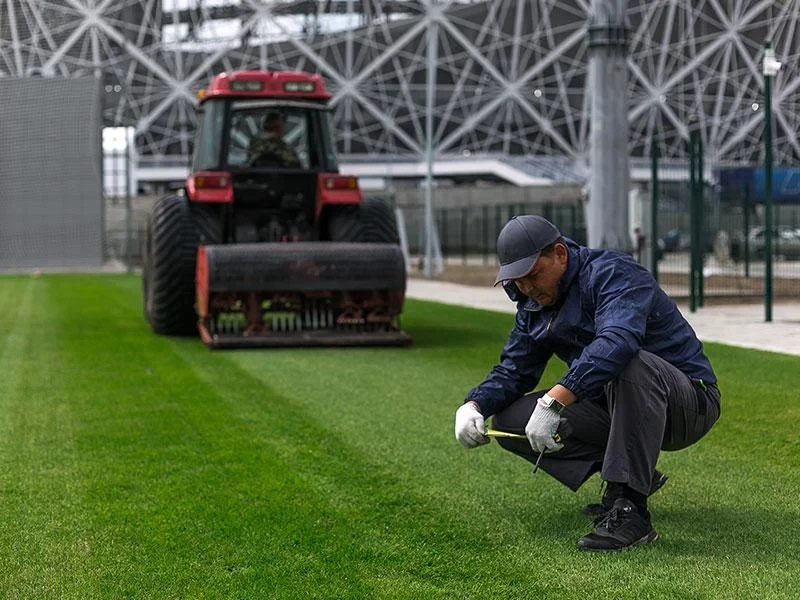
(516, 446)
(504, 419)
(513, 418)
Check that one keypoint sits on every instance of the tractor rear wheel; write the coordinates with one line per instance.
(344, 224)
(174, 231)
(378, 221)
(371, 222)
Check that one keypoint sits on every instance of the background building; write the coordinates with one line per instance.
(510, 94)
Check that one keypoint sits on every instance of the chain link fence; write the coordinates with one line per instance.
(125, 211)
(468, 234)
(730, 239)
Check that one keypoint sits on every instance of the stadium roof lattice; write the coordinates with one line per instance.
(511, 75)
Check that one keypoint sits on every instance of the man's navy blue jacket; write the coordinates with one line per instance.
(609, 308)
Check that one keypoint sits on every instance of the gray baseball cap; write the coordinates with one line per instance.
(520, 243)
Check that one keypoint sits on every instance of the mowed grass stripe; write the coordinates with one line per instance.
(289, 478)
(347, 516)
(147, 466)
(43, 535)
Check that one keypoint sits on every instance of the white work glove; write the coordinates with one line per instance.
(541, 428)
(470, 428)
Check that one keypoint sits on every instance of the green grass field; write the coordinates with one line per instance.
(134, 466)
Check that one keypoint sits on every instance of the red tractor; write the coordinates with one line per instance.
(267, 244)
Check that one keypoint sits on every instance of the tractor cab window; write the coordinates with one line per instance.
(328, 139)
(206, 148)
(269, 137)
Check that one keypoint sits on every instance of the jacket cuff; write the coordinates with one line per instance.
(482, 402)
(570, 382)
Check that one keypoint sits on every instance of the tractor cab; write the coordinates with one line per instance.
(266, 149)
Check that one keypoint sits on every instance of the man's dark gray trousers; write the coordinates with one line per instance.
(651, 406)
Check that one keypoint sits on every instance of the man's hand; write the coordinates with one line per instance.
(541, 428)
(470, 428)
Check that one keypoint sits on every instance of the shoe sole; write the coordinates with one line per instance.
(647, 539)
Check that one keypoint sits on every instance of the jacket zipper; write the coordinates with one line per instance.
(550, 322)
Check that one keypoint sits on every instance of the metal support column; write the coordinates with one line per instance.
(654, 191)
(607, 208)
(431, 239)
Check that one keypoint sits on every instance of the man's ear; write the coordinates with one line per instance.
(561, 251)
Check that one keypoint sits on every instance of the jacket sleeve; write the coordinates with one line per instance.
(522, 363)
(622, 299)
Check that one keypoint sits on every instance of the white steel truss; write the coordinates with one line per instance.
(511, 74)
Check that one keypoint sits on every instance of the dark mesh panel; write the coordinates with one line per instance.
(51, 209)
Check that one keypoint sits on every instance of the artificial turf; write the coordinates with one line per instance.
(137, 466)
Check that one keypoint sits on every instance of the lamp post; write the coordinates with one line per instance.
(771, 68)
(430, 84)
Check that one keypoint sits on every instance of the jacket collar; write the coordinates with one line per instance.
(573, 266)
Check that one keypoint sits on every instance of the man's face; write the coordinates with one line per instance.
(541, 283)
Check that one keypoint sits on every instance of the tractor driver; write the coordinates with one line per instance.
(269, 148)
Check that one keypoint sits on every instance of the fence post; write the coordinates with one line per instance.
(128, 203)
(443, 223)
(654, 156)
(464, 235)
(692, 224)
(485, 234)
(701, 228)
(746, 209)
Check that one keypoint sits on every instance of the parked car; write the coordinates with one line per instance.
(785, 244)
(674, 240)
(677, 240)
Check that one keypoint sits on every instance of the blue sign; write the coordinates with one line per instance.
(785, 183)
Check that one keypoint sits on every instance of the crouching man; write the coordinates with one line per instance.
(637, 382)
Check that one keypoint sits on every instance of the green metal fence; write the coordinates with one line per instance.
(726, 240)
(718, 232)
(468, 234)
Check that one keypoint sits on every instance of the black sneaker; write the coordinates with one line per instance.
(602, 507)
(621, 527)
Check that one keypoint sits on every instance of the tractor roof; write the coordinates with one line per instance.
(266, 84)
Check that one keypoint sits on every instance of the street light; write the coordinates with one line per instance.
(771, 68)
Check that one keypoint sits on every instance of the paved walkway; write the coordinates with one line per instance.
(736, 324)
